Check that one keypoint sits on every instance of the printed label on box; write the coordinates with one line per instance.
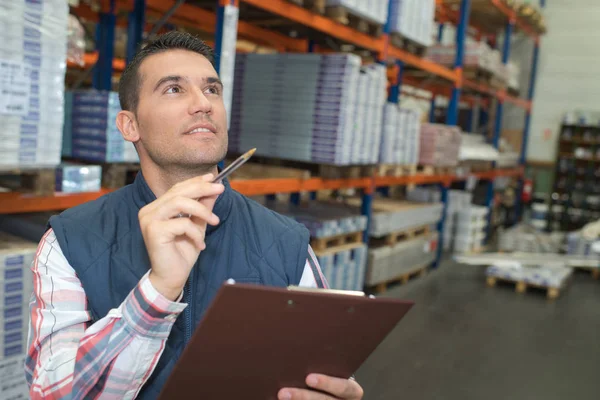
(15, 84)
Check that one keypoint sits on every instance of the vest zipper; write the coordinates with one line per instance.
(187, 290)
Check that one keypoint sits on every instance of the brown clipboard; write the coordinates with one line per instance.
(255, 340)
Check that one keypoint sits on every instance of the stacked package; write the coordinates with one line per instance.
(457, 200)
(344, 268)
(392, 216)
(16, 287)
(552, 276)
(33, 50)
(513, 72)
(527, 239)
(95, 136)
(424, 195)
(470, 229)
(439, 145)
(387, 263)
(323, 219)
(413, 19)
(478, 55)
(400, 136)
(74, 178)
(12, 379)
(374, 10)
(308, 107)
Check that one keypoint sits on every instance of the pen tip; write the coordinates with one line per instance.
(250, 152)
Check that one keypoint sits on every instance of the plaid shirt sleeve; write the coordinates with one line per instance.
(68, 356)
(313, 277)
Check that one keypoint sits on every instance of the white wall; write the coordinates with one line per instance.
(568, 71)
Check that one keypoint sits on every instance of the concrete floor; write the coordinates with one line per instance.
(463, 340)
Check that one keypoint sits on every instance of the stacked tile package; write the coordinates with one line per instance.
(552, 276)
(393, 216)
(33, 50)
(374, 10)
(457, 200)
(95, 136)
(390, 262)
(439, 145)
(413, 19)
(400, 137)
(76, 178)
(478, 55)
(527, 239)
(308, 107)
(470, 229)
(16, 287)
(344, 266)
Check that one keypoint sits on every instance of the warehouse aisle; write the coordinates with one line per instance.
(465, 341)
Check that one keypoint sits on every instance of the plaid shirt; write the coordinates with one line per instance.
(69, 357)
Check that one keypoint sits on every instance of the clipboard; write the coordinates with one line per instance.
(255, 340)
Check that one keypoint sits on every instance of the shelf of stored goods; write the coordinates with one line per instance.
(12, 202)
(209, 16)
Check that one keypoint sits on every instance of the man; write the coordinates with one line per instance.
(121, 282)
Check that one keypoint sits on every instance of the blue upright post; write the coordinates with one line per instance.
(432, 109)
(135, 28)
(105, 41)
(366, 210)
(441, 225)
(498, 125)
(461, 34)
(452, 115)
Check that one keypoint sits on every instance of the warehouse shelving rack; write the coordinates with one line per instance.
(198, 14)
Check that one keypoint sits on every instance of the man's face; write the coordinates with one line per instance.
(181, 115)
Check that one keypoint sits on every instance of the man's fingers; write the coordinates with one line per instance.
(338, 387)
(186, 206)
(178, 227)
(301, 394)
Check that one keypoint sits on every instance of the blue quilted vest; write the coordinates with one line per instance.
(103, 243)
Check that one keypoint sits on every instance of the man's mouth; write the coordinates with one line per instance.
(204, 128)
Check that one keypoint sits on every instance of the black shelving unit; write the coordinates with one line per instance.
(575, 199)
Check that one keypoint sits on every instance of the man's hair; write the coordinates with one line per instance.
(130, 83)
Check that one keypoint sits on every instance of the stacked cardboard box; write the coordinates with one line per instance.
(308, 107)
(16, 288)
(413, 19)
(390, 262)
(374, 10)
(95, 136)
(439, 145)
(33, 49)
(400, 137)
(457, 200)
(323, 219)
(12, 379)
(344, 268)
(471, 225)
(76, 178)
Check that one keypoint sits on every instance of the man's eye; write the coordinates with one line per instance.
(213, 90)
(173, 89)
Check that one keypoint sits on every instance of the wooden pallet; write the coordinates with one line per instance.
(38, 181)
(434, 170)
(401, 279)
(401, 236)
(327, 171)
(396, 170)
(117, 175)
(522, 286)
(316, 6)
(331, 242)
(407, 44)
(345, 16)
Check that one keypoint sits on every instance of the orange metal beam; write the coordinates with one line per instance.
(206, 21)
(12, 203)
(315, 21)
(420, 63)
(511, 15)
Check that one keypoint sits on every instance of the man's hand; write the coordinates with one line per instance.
(335, 388)
(173, 243)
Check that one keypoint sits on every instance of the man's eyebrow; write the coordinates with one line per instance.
(165, 79)
(212, 79)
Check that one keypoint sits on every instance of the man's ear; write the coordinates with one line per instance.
(127, 124)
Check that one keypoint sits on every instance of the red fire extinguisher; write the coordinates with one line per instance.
(527, 190)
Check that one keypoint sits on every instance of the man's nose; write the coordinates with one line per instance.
(199, 102)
